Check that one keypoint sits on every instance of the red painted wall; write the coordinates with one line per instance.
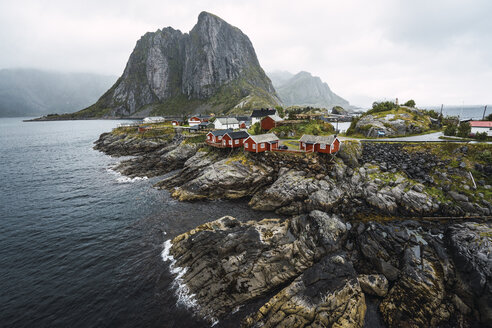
(227, 138)
(273, 146)
(258, 149)
(267, 123)
(328, 150)
(305, 147)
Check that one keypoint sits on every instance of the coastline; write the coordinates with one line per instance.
(372, 221)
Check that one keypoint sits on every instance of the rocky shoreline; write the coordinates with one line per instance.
(357, 231)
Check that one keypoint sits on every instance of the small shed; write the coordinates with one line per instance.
(320, 144)
(234, 139)
(214, 138)
(261, 143)
(270, 121)
(244, 124)
(177, 122)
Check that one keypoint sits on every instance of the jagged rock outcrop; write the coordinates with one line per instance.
(326, 295)
(405, 121)
(425, 264)
(471, 247)
(303, 89)
(420, 274)
(206, 176)
(227, 262)
(123, 144)
(382, 178)
(213, 68)
(290, 186)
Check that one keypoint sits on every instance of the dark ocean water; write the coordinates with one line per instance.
(80, 246)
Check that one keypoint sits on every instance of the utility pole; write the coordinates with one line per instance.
(484, 110)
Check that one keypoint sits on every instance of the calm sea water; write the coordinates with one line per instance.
(464, 112)
(79, 244)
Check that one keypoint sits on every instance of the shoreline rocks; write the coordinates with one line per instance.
(322, 270)
(325, 265)
(229, 263)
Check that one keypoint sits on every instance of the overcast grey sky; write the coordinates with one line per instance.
(433, 51)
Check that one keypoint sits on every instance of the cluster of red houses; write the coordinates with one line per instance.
(270, 142)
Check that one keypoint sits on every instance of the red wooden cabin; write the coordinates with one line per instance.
(197, 119)
(269, 122)
(261, 143)
(234, 139)
(214, 138)
(320, 144)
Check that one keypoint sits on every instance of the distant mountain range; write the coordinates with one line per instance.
(32, 92)
(303, 89)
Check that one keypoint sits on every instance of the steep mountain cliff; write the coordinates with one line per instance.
(303, 89)
(213, 68)
(26, 92)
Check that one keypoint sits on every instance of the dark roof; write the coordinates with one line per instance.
(177, 120)
(204, 123)
(220, 132)
(263, 112)
(238, 135)
(243, 118)
(194, 127)
(203, 116)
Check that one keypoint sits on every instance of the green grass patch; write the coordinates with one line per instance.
(196, 139)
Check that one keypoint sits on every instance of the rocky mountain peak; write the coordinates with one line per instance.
(213, 68)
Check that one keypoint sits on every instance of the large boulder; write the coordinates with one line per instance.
(374, 284)
(207, 177)
(291, 186)
(416, 300)
(471, 247)
(326, 295)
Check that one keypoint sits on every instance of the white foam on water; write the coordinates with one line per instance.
(236, 309)
(124, 179)
(182, 292)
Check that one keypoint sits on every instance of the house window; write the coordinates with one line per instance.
(219, 138)
(262, 145)
(236, 142)
(230, 142)
(322, 146)
(246, 145)
(254, 146)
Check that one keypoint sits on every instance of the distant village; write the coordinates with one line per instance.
(232, 131)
